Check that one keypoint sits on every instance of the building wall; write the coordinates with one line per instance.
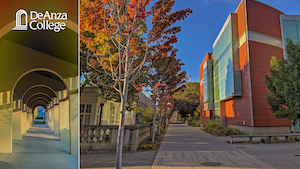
(204, 114)
(143, 100)
(265, 20)
(110, 110)
(111, 114)
(257, 45)
(238, 109)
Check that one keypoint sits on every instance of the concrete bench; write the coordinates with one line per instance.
(269, 136)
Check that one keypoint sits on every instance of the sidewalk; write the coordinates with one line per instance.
(138, 160)
(186, 147)
(38, 149)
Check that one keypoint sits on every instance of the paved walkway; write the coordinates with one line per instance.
(39, 149)
(138, 160)
(187, 147)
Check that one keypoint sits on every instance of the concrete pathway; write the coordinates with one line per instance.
(39, 149)
(137, 160)
(187, 147)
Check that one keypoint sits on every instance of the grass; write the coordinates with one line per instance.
(216, 129)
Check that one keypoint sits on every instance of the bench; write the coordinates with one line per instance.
(269, 136)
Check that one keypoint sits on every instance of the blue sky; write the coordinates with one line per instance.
(201, 28)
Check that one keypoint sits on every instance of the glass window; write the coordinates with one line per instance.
(87, 120)
(217, 105)
(88, 108)
(289, 30)
(229, 86)
(81, 119)
(112, 109)
(298, 31)
(82, 108)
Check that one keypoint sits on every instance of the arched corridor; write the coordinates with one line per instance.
(56, 139)
(39, 148)
(39, 68)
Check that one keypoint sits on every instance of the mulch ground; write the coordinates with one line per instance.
(157, 141)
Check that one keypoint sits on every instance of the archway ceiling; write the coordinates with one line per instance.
(38, 89)
(38, 103)
(34, 99)
(48, 42)
(38, 78)
(33, 105)
(38, 95)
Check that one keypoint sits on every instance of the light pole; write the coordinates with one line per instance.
(154, 120)
(168, 104)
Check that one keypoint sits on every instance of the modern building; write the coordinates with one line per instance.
(93, 108)
(232, 87)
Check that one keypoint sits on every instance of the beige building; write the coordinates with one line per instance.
(93, 108)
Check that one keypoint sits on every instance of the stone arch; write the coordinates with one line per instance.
(44, 87)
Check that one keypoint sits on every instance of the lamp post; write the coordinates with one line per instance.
(168, 104)
(154, 120)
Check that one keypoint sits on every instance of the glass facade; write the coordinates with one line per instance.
(291, 29)
(226, 72)
(208, 82)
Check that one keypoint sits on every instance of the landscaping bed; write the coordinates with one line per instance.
(216, 129)
(147, 145)
(265, 140)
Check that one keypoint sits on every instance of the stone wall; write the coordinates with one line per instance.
(98, 139)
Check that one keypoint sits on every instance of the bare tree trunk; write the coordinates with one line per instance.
(121, 135)
(123, 109)
(154, 121)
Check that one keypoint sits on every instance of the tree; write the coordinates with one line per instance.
(197, 113)
(121, 41)
(187, 101)
(166, 74)
(284, 84)
(148, 114)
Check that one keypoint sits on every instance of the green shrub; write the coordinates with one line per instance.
(195, 123)
(293, 139)
(229, 131)
(212, 124)
(262, 140)
(216, 129)
(274, 140)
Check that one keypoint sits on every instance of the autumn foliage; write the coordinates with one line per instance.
(119, 43)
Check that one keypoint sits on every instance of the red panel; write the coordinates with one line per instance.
(263, 19)
(241, 19)
(260, 55)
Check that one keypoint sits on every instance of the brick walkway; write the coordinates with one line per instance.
(187, 147)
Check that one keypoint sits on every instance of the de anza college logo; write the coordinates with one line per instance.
(40, 21)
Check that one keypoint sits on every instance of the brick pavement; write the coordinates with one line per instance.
(187, 147)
